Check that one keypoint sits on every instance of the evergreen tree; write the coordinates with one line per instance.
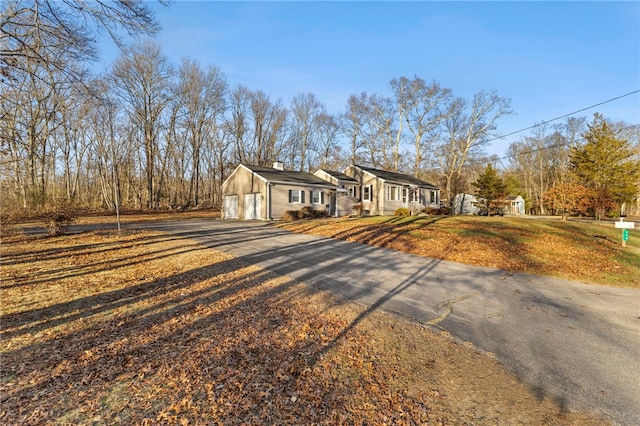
(608, 165)
(489, 186)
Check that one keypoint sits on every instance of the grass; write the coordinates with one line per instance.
(146, 328)
(575, 250)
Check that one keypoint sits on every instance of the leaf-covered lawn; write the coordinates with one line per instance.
(573, 250)
(144, 328)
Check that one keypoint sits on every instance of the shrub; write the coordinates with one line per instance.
(307, 212)
(319, 214)
(6, 222)
(402, 211)
(292, 215)
(437, 212)
(357, 209)
(57, 219)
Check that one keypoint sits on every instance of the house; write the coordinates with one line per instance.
(383, 192)
(347, 195)
(266, 193)
(466, 204)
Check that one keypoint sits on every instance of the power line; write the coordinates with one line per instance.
(565, 115)
(532, 150)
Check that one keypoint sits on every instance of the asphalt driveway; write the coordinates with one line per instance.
(574, 342)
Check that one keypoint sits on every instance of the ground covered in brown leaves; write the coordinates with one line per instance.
(144, 328)
(574, 250)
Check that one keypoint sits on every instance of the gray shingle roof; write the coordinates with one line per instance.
(287, 176)
(398, 177)
(340, 176)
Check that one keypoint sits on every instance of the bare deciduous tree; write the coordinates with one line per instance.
(353, 124)
(424, 109)
(327, 129)
(466, 134)
(200, 94)
(305, 109)
(237, 122)
(269, 123)
(51, 33)
(141, 78)
(380, 136)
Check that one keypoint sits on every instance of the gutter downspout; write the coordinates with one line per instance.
(269, 201)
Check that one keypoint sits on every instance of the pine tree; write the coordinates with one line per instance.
(606, 164)
(489, 186)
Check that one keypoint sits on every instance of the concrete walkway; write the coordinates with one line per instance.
(575, 342)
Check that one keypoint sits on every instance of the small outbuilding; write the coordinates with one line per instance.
(514, 205)
(470, 204)
(467, 204)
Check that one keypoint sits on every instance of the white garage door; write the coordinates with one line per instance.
(230, 207)
(252, 206)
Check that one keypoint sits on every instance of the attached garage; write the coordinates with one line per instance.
(230, 207)
(265, 193)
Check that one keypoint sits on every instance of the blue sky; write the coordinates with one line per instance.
(549, 58)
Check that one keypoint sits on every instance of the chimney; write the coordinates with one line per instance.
(278, 165)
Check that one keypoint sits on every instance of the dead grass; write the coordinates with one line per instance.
(145, 328)
(572, 250)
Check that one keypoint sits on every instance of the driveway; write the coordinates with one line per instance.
(576, 343)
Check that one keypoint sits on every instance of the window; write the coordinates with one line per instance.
(317, 197)
(351, 190)
(393, 193)
(434, 199)
(414, 195)
(296, 196)
(367, 193)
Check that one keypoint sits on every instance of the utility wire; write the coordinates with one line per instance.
(565, 115)
(532, 150)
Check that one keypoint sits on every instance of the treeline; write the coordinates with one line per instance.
(597, 175)
(149, 134)
(156, 135)
(600, 159)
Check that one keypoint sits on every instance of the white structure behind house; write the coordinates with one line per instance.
(514, 205)
(472, 205)
(466, 204)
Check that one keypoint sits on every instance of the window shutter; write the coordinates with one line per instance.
(321, 197)
(290, 196)
(302, 196)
